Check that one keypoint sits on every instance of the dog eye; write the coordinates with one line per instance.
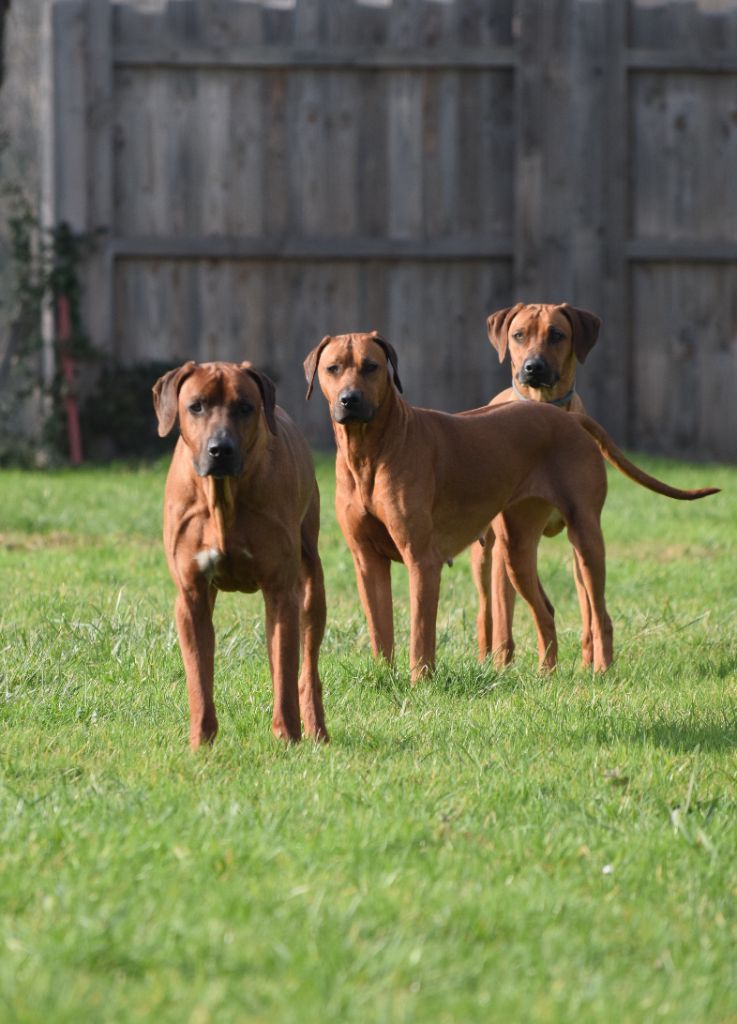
(369, 367)
(196, 407)
(333, 368)
(244, 408)
(519, 335)
(555, 335)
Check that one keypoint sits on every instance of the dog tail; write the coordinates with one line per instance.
(616, 458)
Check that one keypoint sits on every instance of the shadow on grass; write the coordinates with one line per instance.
(465, 678)
(713, 735)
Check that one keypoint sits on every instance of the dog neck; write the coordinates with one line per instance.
(364, 445)
(221, 507)
(563, 400)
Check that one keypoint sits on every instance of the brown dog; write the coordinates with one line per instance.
(418, 486)
(545, 342)
(242, 512)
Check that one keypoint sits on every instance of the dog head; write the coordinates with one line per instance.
(356, 371)
(223, 410)
(544, 341)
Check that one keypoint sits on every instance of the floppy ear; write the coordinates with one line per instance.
(585, 327)
(166, 396)
(391, 356)
(310, 363)
(497, 327)
(268, 394)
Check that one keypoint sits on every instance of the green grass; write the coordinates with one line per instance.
(486, 847)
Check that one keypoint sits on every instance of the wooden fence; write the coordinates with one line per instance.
(269, 172)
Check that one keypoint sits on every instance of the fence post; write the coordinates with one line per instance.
(571, 178)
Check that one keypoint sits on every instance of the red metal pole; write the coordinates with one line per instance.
(63, 336)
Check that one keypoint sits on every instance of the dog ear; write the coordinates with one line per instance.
(166, 396)
(391, 356)
(310, 364)
(497, 327)
(585, 328)
(268, 394)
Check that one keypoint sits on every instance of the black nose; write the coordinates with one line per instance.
(220, 446)
(533, 367)
(350, 399)
(535, 371)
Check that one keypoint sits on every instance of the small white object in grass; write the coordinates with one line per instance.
(608, 869)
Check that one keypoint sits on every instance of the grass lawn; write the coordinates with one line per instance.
(487, 847)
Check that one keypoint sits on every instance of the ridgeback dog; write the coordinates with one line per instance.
(545, 342)
(418, 486)
(242, 512)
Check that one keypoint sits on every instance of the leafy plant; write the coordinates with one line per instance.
(44, 266)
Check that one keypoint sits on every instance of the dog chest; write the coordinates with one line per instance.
(230, 570)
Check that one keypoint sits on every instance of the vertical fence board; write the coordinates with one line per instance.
(98, 296)
(71, 139)
(404, 155)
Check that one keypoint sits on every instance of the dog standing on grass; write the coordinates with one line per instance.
(418, 486)
(545, 344)
(242, 512)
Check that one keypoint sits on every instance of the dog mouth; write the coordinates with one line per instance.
(345, 416)
(218, 468)
(537, 379)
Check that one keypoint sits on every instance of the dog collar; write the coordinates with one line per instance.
(556, 401)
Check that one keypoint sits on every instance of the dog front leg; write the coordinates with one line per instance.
(282, 633)
(374, 581)
(424, 592)
(193, 613)
(481, 557)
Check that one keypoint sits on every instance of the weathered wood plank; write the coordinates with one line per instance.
(71, 139)
(158, 55)
(299, 247)
(98, 294)
(596, 100)
(684, 157)
(245, 169)
(341, 167)
(685, 359)
(687, 250)
(685, 61)
(308, 153)
(441, 154)
(708, 29)
(404, 156)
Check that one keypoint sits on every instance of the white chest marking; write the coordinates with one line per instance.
(208, 561)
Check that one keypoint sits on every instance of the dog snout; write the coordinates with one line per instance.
(220, 447)
(350, 399)
(352, 405)
(535, 372)
(220, 456)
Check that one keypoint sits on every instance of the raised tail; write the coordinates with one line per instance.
(613, 455)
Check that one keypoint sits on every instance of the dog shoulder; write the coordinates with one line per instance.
(507, 395)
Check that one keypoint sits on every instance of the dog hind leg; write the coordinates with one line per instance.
(520, 529)
(312, 626)
(584, 533)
